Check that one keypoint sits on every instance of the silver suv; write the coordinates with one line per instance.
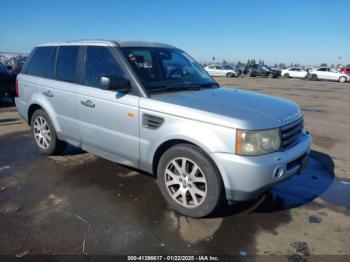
(152, 107)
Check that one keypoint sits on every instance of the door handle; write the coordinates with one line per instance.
(48, 93)
(88, 103)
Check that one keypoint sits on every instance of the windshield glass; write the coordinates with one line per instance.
(267, 67)
(160, 68)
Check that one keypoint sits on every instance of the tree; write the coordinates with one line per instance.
(248, 62)
(263, 62)
(323, 64)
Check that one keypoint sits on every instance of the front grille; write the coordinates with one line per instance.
(291, 133)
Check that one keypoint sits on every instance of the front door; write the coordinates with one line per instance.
(108, 119)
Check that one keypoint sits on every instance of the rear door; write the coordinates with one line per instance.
(55, 86)
(322, 73)
(108, 119)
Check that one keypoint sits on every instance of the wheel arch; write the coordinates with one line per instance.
(32, 108)
(49, 110)
(162, 148)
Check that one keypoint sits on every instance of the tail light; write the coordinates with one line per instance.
(17, 93)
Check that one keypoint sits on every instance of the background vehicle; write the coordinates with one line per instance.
(253, 70)
(344, 70)
(326, 73)
(152, 107)
(218, 70)
(226, 66)
(296, 72)
(7, 83)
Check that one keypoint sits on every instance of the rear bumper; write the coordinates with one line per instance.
(246, 178)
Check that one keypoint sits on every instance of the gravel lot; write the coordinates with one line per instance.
(52, 205)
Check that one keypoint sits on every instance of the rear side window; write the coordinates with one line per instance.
(67, 60)
(43, 62)
(99, 62)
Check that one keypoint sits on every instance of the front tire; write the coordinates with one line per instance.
(189, 181)
(286, 75)
(342, 79)
(44, 134)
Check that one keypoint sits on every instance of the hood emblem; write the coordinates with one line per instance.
(291, 117)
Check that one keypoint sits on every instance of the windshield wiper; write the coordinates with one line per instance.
(183, 87)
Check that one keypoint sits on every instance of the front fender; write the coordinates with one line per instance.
(210, 138)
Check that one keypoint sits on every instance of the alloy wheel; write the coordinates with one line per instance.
(42, 132)
(185, 182)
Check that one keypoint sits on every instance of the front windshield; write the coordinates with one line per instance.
(267, 67)
(160, 68)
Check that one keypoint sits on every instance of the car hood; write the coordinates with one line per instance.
(227, 107)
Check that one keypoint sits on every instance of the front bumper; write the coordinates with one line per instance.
(246, 177)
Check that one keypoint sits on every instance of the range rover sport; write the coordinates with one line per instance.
(152, 107)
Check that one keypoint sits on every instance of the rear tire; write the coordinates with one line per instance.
(189, 181)
(313, 77)
(342, 79)
(229, 75)
(44, 134)
(286, 75)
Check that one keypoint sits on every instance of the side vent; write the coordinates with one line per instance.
(151, 122)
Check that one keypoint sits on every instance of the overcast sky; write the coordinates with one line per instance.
(306, 32)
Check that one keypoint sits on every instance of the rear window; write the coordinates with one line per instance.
(43, 62)
(67, 60)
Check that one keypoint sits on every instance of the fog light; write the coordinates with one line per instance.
(279, 171)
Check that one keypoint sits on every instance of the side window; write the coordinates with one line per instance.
(67, 60)
(43, 62)
(322, 69)
(99, 62)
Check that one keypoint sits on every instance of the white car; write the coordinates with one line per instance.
(296, 72)
(326, 73)
(217, 70)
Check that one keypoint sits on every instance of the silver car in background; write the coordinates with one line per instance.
(152, 107)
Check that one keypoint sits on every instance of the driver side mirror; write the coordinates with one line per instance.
(118, 83)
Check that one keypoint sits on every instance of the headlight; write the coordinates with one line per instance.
(252, 143)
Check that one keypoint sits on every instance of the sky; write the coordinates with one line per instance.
(295, 31)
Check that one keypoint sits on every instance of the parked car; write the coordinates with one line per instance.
(344, 70)
(203, 142)
(229, 67)
(254, 70)
(218, 70)
(326, 73)
(7, 82)
(296, 72)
